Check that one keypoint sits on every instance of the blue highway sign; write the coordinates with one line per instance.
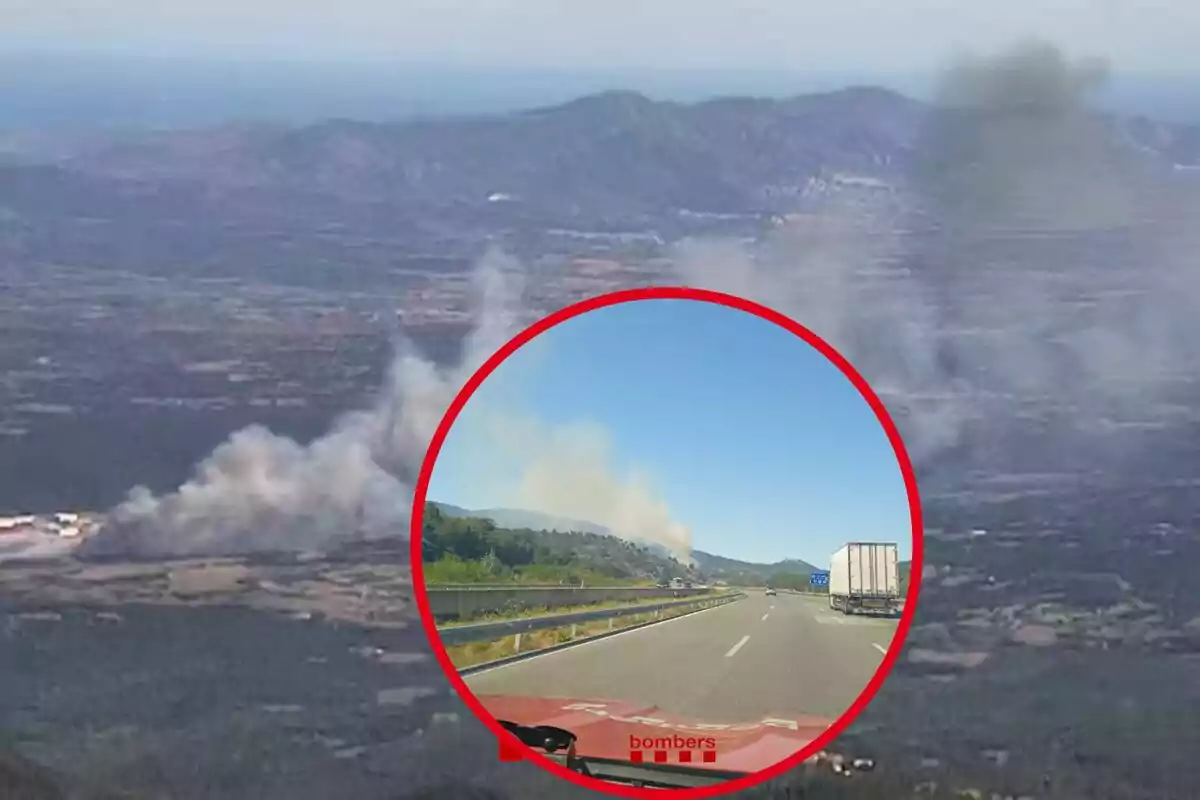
(819, 579)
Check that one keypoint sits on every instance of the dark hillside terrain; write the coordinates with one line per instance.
(159, 291)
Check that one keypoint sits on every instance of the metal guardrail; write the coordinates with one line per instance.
(548, 587)
(464, 602)
(629, 590)
(461, 586)
(488, 631)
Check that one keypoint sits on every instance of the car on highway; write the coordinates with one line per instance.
(770, 592)
(633, 744)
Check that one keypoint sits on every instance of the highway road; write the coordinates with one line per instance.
(734, 663)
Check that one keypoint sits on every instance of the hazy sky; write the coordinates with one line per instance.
(1148, 35)
(752, 438)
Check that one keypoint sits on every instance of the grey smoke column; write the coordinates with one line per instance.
(1059, 243)
(263, 492)
(1039, 267)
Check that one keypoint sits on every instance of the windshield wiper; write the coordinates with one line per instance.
(542, 737)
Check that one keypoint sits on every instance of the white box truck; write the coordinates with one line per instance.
(864, 577)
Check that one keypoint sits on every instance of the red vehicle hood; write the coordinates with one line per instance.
(610, 729)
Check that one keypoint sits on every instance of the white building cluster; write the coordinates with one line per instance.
(66, 524)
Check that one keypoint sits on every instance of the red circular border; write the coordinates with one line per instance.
(729, 301)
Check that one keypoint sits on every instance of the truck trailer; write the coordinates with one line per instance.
(864, 577)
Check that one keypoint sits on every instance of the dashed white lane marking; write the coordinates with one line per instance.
(737, 647)
(764, 619)
(880, 648)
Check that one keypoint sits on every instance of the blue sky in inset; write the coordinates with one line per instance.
(751, 437)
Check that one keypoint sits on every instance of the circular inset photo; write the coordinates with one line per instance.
(663, 539)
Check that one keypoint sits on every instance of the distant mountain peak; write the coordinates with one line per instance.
(865, 91)
(720, 565)
(604, 104)
(517, 518)
(611, 98)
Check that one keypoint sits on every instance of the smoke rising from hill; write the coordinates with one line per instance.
(261, 492)
(567, 471)
(1058, 272)
(573, 477)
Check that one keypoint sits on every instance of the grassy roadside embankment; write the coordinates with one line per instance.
(452, 571)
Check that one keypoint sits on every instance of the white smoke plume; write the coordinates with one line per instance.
(263, 492)
(567, 471)
(1039, 265)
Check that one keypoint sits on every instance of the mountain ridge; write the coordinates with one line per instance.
(536, 520)
(611, 164)
(839, 122)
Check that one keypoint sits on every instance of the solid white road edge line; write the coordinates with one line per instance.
(880, 648)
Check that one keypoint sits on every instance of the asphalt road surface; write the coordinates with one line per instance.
(739, 662)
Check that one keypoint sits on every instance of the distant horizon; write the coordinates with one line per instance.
(51, 89)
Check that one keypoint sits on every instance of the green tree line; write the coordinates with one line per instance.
(474, 550)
